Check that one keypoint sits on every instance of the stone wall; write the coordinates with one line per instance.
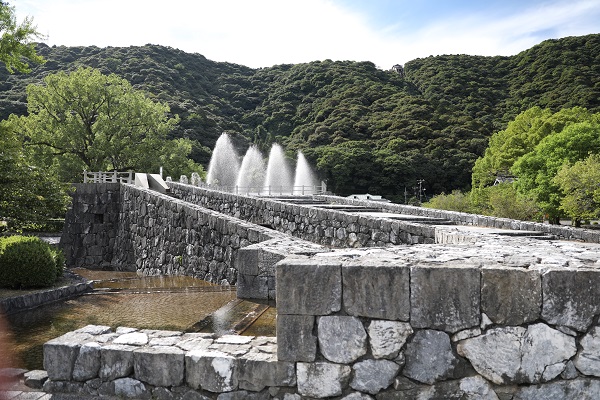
(496, 319)
(460, 218)
(327, 227)
(88, 237)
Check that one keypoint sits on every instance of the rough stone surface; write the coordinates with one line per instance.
(570, 297)
(322, 379)
(130, 388)
(429, 357)
(87, 363)
(259, 370)
(116, 361)
(314, 286)
(519, 355)
(133, 339)
(295, 338)
(159, 366)
(388, 337)
(576, 389)
(35, 379)
(372, 376)
(60, 355)
(511, 296)
(211, 370)
(445, 298)
(377, 291)
(588, 359)
(341, 339)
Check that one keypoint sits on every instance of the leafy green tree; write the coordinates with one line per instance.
(580, 186)
(17, 40)
(505, 202)
(87, 120)
(537, 169)
(28, 195)
(455, 201)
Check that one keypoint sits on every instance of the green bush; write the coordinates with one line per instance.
(28, 262)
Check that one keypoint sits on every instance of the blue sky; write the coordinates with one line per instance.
(262, 33)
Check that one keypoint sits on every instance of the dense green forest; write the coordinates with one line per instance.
(365, 129)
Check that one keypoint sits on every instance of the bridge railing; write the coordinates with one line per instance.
(275, 190)
(108, 177)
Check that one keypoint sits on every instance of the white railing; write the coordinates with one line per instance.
(271, 190)
(108, 177)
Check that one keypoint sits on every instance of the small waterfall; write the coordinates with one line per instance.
(224, 164)
(278, 179)
(305, 180)
(252, 172)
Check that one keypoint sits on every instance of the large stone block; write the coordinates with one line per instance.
(116, 361)
(342, 339)
(445, 297)
(512, 355)
(159, 366)
(571, 297)
(372, 376)
(576, 389)
(321, 379)
(587, 360)
(309, 286)
(87, 363)
(259, 370)
(429, 357)
(511, 296)
(214, 371)
(377, 291)
(60, 355)
(295, 339)
(388, 337)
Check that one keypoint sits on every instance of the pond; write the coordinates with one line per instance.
(124, 299)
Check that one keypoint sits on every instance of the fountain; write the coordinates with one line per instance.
(226, 173)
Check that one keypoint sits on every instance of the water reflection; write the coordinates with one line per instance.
(173, 303)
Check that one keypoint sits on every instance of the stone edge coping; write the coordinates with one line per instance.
(32, 300)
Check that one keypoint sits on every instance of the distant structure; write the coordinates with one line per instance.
(504, 179)
(398, 69)
(367, 196)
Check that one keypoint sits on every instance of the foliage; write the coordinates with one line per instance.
(27, 262)
(505, 202)
(536, 170)
(16, 42)
(87, 120)
(388, 131)
(580, 187)
(455, 201)
(28, 194)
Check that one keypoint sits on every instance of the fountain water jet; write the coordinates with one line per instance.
(304, 180)
(279, 178)
(252, 172)
(224, 164)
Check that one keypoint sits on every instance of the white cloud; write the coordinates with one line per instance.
(266, 32)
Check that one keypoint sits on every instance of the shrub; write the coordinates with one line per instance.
(27, 261)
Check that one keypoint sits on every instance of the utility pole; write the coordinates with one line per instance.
(420, 181)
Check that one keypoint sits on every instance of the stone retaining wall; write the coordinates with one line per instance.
(32, 300)
(510, 319)
(322, 226)
(460, 218)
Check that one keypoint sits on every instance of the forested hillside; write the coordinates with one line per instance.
(366, 129)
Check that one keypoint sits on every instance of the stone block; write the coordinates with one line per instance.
(580, 388)
(511, 296)
(377, 291)
(570, 297)
(587, 360)
(211, 370)
(131, 389)
(60, 355)
(388, 337)
(321, 379)
(429, 357)
(309, 286)
(372, 376)
(35, 379)
(259, 370)
(295, 339)
(87, 363)
(252, 287)
(445, 297)
(159, 366)
(342, 339)
(247, 260)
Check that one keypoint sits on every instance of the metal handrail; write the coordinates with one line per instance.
(108, 177)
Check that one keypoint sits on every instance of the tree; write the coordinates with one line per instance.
(16, 42)
(87, 120)
(580, 186)
(28, 195)
(536, 170)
